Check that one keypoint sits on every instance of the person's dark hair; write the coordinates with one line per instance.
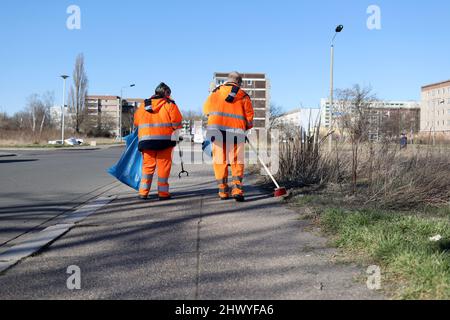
(163, 90)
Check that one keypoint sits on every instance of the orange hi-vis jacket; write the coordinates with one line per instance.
(157, 119)
(229, 108)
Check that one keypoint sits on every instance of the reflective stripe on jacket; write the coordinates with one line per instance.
(229, 108)
(157, 120)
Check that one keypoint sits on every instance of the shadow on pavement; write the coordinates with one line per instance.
(17, 161)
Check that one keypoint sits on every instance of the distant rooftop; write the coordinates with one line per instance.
(436, 85)
(102, 97)
(252, 75)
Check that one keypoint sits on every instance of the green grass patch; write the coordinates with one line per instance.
(419, 268)
(305, 200)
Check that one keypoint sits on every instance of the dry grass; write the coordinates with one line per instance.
(10, 138)
(407, 179)
(387, 177)
(20, 137)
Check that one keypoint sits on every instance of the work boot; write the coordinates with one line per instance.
(165, 198)
(224, 198)
(143, 198)
(239, 198)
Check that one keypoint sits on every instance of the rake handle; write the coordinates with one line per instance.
(263, 164)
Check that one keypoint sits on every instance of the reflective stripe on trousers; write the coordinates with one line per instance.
(162, 161)
(221, 170)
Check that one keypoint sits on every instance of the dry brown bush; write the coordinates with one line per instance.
(389, 178)
(407, 179)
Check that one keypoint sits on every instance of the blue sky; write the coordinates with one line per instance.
(184, 42)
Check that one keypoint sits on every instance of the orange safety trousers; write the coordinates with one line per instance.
(162, 160)
(229, 154)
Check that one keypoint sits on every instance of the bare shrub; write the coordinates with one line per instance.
(376, 174)
(303, 161)
(405, 180)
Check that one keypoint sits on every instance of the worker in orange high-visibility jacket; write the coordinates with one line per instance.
(158, 120)
(230, 114)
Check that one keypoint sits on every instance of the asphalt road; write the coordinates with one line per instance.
(37, 186)
(192, 247)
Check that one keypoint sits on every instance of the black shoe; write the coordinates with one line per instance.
(239, 198)
(143, 198)
(164, 198)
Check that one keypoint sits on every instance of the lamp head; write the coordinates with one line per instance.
(339, 28)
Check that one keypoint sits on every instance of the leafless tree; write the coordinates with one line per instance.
(353, 111)
(275, 112)
(78, 92)
(4, 120)
(192, 116)
(37, 114)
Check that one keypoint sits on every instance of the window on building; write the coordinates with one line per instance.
(250, 83)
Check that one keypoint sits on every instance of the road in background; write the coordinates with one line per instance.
(36, 186)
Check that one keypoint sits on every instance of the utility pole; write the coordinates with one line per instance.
(339, 29)
(63, 108)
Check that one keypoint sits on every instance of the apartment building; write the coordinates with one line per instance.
(130, 105)
(302, 117)
(103, 113)
(435, 108)
(387, 118)
(257, 87)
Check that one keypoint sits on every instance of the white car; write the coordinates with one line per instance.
(199, 135)
(73, 142)
(198, 138)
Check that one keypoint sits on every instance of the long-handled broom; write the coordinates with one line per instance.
(279, 191)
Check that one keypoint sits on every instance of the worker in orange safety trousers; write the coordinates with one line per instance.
(158, 120)
(230, 114)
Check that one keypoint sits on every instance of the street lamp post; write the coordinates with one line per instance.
(120, 108)
(63, 108)
(339, 29)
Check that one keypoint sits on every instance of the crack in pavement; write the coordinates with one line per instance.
(197, 279)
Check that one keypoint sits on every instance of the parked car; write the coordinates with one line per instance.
(74, 142)
(199, 135)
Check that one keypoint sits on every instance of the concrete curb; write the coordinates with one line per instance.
(35, 242)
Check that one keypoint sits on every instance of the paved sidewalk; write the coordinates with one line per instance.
(194, 247)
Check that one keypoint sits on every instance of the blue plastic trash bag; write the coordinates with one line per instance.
(129, 168)
(207, 148)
